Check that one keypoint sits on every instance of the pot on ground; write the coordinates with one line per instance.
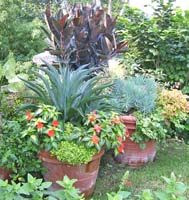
(86, 174)
(5, 174)
(134, 155)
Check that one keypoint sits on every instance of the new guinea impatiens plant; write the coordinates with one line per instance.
(97, 131)
(72, 149)
(83, 35)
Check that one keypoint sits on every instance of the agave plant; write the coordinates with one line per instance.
(73, 93)
(84, 34)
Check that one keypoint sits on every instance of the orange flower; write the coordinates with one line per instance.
(95, 139)
(50, 133)
(92, 117)
(116, 120)
(28, 116)
(97, 128)
(40, 125)
(121, 148)
(127, 183)
(127, 133)
(119, 138)
(55, 123)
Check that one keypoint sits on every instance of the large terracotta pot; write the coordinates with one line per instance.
(134, 155)
(5, 174)
(85, 174)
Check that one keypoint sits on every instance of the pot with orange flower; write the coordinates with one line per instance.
(136, 98)
(72, 149)
(142, 136)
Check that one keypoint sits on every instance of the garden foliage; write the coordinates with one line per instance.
(160, 41)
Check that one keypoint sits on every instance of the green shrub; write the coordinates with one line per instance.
(15, 152)
(23, 35)
(161, 40)
(73, 154)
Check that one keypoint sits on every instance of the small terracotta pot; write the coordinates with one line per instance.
(85, 174)
(134, 155)
(5, 174)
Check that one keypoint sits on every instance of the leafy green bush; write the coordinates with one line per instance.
(149, 127)
(73, 154)
(161, 40)
(23, 35)
(15, 152)
(176, 113)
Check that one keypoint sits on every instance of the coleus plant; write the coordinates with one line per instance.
(83, 35)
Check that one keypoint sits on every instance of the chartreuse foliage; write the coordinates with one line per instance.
(73, 93)
(176, 112)
(73, 154)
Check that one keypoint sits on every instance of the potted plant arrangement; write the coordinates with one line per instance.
(71, 149)
(65, 126)
(137, 96)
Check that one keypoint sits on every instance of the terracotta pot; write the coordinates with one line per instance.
(85, 174)
(5, 174)
(134, 155)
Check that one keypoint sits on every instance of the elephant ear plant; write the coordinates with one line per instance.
(73, 93)
(84, 34)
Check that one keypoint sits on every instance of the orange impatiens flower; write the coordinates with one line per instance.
(95, 139)
(97, 128)
(127, 183)
(28, 116)
(121, 148)
(50, 133)
(55, 123)
(127, 133)
(40, 125)
(116, 120)
(92, 117)
(120, 139)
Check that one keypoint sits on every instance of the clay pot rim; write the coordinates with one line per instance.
(128, 118)
(47, 157)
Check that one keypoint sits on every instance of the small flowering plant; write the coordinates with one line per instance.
(98, 130)
(43, 127)
(104, 130)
